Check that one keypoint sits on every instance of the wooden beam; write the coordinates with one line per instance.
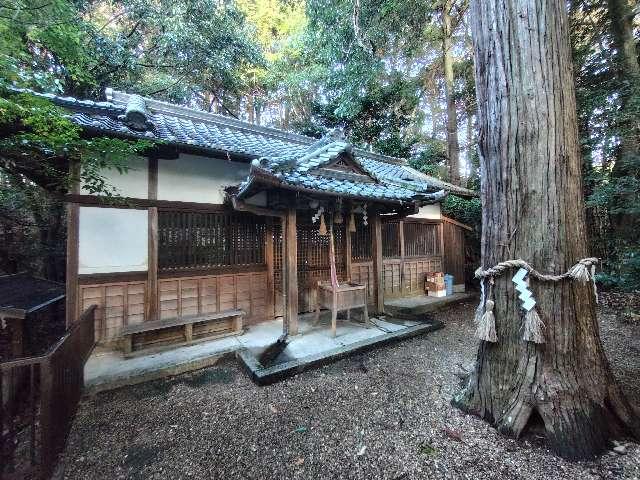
(378, 281)
(347, 250)
(462, 225)
(269, 261)
(402, 255)
(153, 179)
(73, 247)
(290, 270)
(241, 206)
(73, 228)
(151, 303)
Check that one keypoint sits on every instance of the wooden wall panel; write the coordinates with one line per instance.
(209, 294)
(118, 304)
(392, 278)
(414, 270)
(362, 273)
(454, 254)
(123, 303)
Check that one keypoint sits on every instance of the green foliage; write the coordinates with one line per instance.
(608, 100)
(39, 143)
(467, 211)
(431, 159)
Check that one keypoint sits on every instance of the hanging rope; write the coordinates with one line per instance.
(533, 327)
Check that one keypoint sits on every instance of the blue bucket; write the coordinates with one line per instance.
(448, 283)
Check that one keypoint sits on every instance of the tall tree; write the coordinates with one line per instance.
(533, 209)
(450, 18)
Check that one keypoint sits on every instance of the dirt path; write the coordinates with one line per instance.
(385, 414)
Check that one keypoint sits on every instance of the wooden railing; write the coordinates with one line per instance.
(38, 399)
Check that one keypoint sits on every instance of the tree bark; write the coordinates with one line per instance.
(453, 147)
(533, 209)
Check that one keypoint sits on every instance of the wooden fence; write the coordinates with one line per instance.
(38, 400)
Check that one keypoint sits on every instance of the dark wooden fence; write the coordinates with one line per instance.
(38, 399)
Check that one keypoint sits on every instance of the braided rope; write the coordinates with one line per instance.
(502, 267)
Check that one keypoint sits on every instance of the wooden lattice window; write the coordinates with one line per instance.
(391, 240)
(421, 239)
(361, 242)
(201, 240)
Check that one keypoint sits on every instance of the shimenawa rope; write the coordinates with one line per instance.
(533, 327)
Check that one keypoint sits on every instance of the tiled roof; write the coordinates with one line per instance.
(306, 172)
(291, 156)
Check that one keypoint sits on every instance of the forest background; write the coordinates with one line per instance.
(396, 75)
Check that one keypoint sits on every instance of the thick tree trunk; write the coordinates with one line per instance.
(533, 209)
(453, 147)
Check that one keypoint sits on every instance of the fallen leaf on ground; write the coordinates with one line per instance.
(453, 434)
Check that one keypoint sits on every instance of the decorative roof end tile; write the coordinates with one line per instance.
(136, 116)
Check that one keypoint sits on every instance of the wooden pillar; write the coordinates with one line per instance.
(290, 271)
(152, 304)
(73, 247)
(269, 261)
(378, 287)
(441, 244)
(403, 286)
(347, 251)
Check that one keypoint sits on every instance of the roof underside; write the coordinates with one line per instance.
(286, 158)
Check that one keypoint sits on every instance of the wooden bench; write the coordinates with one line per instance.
(196, 328)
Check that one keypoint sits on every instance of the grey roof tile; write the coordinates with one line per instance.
(293, 154)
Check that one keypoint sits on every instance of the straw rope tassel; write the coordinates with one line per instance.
(486, 329)
(480, 308)
(323, 226)
(533, 327)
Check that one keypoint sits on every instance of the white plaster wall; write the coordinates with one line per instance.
(431, 212)
(113, 240)
(133, 183)
(192, 178)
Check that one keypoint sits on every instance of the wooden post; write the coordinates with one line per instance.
(151, 305)
(290, 270)
(73, 227)
(269, 261)
(376, 237)
(402, 253)
(441, 243)
(347, 251)
(73, 246)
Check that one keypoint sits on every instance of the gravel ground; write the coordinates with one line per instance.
(384, 414)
